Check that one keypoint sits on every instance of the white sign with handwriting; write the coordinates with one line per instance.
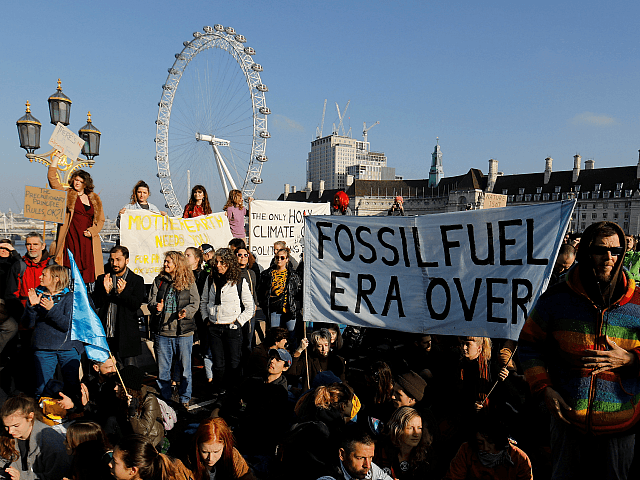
(66, 142)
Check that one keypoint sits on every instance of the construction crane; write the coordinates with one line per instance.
(366, 129)
(341, 117)
(319, 129)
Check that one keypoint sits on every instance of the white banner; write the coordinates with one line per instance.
(474, 273)
(148, 235)
(270, 221)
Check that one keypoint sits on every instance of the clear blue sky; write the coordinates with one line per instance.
(492, 79)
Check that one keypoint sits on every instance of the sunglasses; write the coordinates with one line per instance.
(281, 257)
(602, 250)
(242, 255)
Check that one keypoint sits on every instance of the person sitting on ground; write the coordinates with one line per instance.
(408, 390)
(258, 406)
(135, 458)
(140, 411)
(277, 337)
(319, 359)
(355, 456)
(36, 451)
(334, 329)
(98, 394)
(88, 444)
(311, 444)
(489, 453)
(11, 269)
(377, 393)
(215, 455)
(403, 454)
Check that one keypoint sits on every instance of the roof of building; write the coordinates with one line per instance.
(607, 178)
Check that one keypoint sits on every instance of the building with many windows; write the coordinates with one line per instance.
(332, 156)
(611, 193)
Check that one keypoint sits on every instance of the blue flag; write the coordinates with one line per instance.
(85, 324)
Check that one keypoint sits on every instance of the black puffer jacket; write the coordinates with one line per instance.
(294, 291)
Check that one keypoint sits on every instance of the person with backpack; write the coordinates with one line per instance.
(226, 305)
(173, 302)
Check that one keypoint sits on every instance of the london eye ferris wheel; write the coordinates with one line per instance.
(212, 120)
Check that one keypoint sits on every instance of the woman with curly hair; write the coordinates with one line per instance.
(82, 224)
(403, 454)
(173, 302)
(226, 305)
(198, 203)
(236, 211)
(215, 455)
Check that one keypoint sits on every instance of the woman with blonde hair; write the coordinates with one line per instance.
(82, 224)
(173, 301)
(475, 370)
(403, 454)
(215, 454)
(48, 311)
(236, 212)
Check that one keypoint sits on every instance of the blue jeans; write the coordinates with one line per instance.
(46, 362)
(226, 344)
(166, 348)
(579, 456)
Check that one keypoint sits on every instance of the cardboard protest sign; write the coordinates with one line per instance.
(271, 221)
(66, 142)
(148, 235)
(474, 273)
(44, 204)
(494, 200)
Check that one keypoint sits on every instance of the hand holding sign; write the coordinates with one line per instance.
(66, 142)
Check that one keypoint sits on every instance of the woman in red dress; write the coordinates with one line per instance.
(198, 203)
(82, 224)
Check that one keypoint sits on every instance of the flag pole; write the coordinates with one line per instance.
(118, 372)
(306, 357)
(495, 384)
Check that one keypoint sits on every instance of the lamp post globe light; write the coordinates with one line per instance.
(59, 112)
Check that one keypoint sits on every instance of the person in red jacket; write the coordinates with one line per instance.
(35, 259)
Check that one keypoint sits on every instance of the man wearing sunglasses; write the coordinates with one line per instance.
(580, 350)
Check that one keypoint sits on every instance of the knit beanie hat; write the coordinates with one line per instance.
(412, 384)
(132, 377)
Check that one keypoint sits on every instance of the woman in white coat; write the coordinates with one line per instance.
(226, 305)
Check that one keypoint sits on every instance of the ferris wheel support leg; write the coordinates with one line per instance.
(219, 165)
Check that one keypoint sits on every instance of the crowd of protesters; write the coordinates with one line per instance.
(284, 396)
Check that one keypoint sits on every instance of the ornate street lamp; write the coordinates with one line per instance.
(29, 131)
(59, 111)
(59, 107)
(91, 137)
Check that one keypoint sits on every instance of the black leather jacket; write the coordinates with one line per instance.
(294, 291)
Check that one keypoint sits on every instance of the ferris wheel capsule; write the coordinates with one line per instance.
(218, 27)
(256, 67)
(241, 38)
(249, 51)
(261, 158)
(265, 134)
(207, 29)
(262, 87)
(265, 110)
(230, 30)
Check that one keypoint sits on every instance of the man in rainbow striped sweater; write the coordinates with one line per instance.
(580, 350)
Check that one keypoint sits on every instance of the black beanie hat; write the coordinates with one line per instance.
(412, 384)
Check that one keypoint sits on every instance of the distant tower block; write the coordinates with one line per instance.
(436, 173)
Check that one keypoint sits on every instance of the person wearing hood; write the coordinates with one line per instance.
(580, 350)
